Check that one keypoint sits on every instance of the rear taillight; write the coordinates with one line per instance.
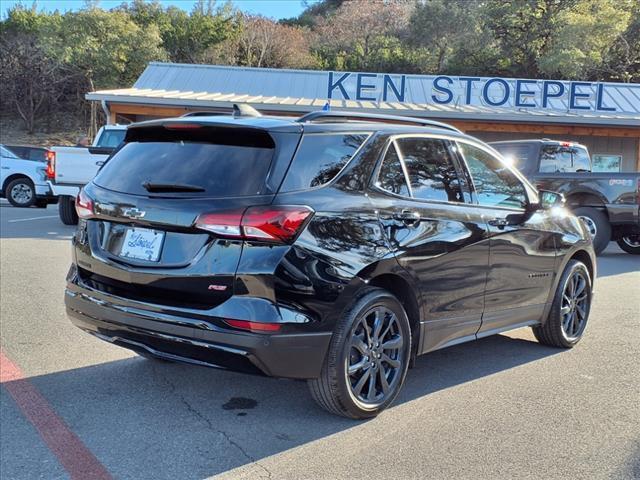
(84, 205)
(280, 224)
(255, 327)
(50, 171)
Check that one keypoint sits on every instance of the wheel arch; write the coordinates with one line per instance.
(13, 177)
(404, 292)
(585, 199)
(584, 257)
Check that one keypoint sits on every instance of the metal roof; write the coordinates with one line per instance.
(210, 86)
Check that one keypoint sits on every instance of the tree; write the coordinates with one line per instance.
(357, 38)
(262, 42)
(584, 34)
(108, 47)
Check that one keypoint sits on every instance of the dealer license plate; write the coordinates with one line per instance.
(142, 244)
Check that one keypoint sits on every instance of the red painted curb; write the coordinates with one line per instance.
(72, 454)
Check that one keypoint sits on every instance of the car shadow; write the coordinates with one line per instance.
(151, 419)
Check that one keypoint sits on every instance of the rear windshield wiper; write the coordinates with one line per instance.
(171, 187)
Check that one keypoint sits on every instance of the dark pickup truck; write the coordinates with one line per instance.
(609, 203)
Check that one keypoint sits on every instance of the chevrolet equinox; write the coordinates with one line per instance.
(335, 247)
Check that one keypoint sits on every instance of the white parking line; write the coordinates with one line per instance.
(32, 218)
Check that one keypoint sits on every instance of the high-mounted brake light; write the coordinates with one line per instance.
(255, 327)
(566, 144)
(279, 224)
(182, 126)
(84, 205)
(50, 171)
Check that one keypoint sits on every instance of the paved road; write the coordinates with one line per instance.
(502, 407)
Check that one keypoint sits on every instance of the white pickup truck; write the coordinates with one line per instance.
(70, 168)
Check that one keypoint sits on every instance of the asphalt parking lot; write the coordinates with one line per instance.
(503, 407)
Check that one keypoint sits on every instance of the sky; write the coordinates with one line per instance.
(269, 8)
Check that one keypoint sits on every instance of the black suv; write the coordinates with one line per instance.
(334, 247)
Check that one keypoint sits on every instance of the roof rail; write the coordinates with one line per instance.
(324, 116)
(202, 114)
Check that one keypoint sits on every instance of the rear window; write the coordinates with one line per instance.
(563, 158)
(319, 158)
(221, 170)
(111, 138)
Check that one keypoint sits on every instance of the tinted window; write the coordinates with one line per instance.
(222, 170)
(111, 138)
(391, 176)
(430, 168)
(495, 184)
(319, 159)
(516, 155)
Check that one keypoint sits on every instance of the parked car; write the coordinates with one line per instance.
(72, 167)
(23, 181)
(333, 248)
(608, 202)
(28, 152)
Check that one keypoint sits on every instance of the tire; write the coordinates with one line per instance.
(21, 192)
(630, 244)
(598, 223)
(558, 330)
(336, 390)
(67, 210)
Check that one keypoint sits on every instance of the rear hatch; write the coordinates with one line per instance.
(141, 237)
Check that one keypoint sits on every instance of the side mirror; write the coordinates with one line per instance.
(549, 199)
(101, 150)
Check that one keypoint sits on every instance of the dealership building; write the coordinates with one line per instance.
(603, 116)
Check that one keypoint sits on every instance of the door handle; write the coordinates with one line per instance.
(100, 163)
(408, 217)
(498, 222)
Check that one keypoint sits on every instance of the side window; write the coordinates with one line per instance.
(495, 184)
(555, 158)
(391, 177)
(319, 159)
(431, 170)
(581, 162)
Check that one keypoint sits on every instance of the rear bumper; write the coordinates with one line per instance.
(67, 190)
(183, 339)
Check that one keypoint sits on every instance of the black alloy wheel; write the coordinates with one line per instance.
(367, 359)
(375, 357)
(569, 313)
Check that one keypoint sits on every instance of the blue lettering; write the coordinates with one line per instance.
(520, 92)
(361, 86)
(505, 88)
(546, 93)
(469, 81)
(600, 97)
(574, 96)
(389, 83)
(338, 84)
(442, 89)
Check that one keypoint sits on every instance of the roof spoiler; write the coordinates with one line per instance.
(337, 117)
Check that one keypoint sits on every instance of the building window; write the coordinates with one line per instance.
(603, 162)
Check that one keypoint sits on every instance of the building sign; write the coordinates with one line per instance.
(492, 92)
